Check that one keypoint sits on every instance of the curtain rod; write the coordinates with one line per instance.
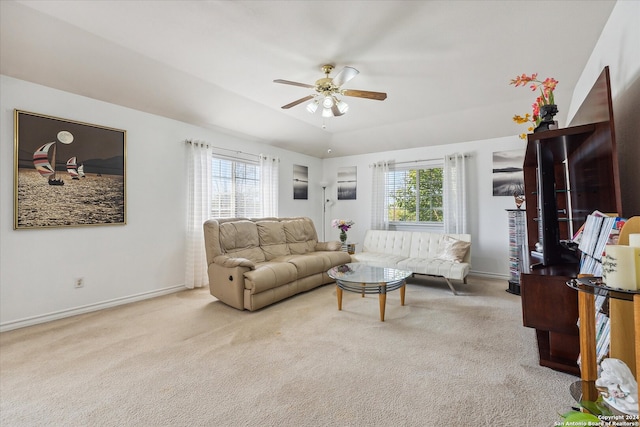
(466, 156)
(415, 161)
(188, 141)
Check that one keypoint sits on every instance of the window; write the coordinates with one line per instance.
(415, 194)
(236, 189)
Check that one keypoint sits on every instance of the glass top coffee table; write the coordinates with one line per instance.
(366, 279)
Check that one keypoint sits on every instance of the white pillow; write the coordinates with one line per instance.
(453, 249)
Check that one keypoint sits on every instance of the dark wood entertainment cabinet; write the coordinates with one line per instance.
(568, 173)
(551, 308)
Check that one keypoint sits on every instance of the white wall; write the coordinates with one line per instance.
(487, 216)
(619, 48)
(38, 267)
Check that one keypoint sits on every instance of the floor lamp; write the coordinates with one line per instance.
(324, 185)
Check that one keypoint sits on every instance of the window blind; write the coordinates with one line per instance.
(236, 189)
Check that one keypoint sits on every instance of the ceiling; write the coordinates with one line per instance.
(445, 65)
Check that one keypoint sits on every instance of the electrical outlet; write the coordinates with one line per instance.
(79, 282)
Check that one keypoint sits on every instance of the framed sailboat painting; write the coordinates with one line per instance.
(67, 173)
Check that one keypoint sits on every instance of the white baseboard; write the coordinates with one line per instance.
(489, 275)
(34, 320)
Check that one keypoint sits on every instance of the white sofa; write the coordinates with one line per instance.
(433, 254)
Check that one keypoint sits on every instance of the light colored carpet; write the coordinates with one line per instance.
(188, 360)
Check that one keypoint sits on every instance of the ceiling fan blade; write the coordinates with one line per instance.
(287, 82)
(299, 101)
(346, 74)
(336, 112)
(379, 96)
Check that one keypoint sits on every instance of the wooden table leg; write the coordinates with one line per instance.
(339, 294)
(402, 290)
(587, 310)
(383, 303)
(589, 364)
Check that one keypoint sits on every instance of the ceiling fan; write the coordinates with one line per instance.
(327, 91)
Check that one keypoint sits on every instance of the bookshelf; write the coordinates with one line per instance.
(624, 330)
(622, 336)
(568, 174)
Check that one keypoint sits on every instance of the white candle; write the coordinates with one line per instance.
(621, 267)
(634, 240)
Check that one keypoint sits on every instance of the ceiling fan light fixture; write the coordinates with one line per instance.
(328, 89)
(343, 107)
(312, 107)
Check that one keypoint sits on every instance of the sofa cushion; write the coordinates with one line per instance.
(333, 258)
(240, 239)
(378, 259)
(453, 249)
(425, 245)
(269, 275)
(300, 236)
(435, 267)
(432, 245)
(272, 239)
(307, 265)
(388, 242)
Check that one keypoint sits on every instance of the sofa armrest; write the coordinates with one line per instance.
(229, 262)
(329, 246)
(227, 284)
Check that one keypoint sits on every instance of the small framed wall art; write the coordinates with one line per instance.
(300, 182)
(347, 182)
(508, 178)
(67, 173)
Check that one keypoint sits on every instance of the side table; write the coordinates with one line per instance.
(626, 350)
(349, 247)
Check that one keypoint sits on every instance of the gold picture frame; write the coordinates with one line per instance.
(67, 173)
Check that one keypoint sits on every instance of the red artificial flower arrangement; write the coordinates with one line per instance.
(546, 89)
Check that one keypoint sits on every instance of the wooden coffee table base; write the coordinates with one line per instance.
(380, 289)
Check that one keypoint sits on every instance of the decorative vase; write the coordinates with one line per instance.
(343, 236)
(546, 117)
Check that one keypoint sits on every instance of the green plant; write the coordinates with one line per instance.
(590, 415)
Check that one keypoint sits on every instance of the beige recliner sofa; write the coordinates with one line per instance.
(257, 262)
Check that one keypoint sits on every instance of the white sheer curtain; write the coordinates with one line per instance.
(269, 184)
(199, 158)
(455, 194)
(379, 196)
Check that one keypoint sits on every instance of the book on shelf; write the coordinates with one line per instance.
(603, 329)
(598, 231)
(603, 338)
(578, 237)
